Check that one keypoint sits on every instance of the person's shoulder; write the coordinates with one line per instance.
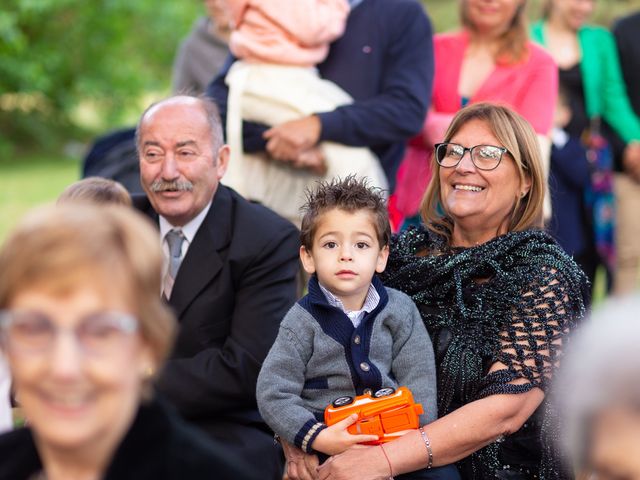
(595, 33)
(397, 4)
(297, 315)
(398, 298)
(401, 10)
(261, 218)
(628, 24)
(539, 55)
(186, 452)
(19, 456)
(449, 36)
(449, 41)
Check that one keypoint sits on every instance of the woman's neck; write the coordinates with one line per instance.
(558, 26)
(90, 460)
(60, 464)
(562, 42)
(488, 41)
(465, 238)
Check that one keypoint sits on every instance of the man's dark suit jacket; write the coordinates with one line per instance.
(234, 286)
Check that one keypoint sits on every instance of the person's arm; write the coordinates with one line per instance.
(223, 379)
(282, 379)
(478, 423)
(631, 160)
(397, 112)
(394, 114)
(617, 110)
(452, 437)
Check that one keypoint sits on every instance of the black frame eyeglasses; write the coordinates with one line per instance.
(484, 157)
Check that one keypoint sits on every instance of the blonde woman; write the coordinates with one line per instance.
(84, 331)
(498, 297)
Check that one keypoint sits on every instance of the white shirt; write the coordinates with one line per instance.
(370, 303)
(189, 231)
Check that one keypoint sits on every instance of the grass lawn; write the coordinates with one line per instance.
(32, 180)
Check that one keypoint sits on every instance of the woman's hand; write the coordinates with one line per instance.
(365, 463)
(300, 465)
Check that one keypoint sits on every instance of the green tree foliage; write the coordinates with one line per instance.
(55, 54)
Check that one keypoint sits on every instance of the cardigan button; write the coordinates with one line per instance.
(364, 366)
(356, 339)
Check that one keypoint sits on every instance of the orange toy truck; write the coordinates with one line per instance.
(388, 413)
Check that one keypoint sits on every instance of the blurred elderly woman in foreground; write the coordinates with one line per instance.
(83, 329)
(599, 394)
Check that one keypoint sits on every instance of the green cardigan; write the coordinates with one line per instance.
(604, 89)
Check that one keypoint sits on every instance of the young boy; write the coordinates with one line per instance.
(349, 335)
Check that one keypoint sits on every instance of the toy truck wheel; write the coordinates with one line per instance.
(384, 392)
(342, 401)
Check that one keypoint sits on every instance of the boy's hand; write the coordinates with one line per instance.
(335, 439)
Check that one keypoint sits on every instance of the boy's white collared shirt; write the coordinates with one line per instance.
(370, 303)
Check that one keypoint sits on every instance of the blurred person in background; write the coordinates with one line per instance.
(278, 44)
(489, 59)
(590, 74)
(384, 60)
(598, 393)
(627, 163)
(203, 52)
(85, 331)
(569, 177)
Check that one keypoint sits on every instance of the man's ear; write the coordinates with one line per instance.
(307, 260)
(222, 161)
(383, 256)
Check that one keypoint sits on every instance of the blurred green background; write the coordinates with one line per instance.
(73, 69)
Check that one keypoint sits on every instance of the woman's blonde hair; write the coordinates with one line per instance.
(67, 246)
(96, 190)
(517, 136)
(512, 45)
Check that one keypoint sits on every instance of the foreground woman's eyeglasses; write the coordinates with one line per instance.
(33, 332)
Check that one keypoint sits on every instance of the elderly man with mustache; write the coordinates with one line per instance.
(230, 275)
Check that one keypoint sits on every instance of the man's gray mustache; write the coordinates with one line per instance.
(181, 186)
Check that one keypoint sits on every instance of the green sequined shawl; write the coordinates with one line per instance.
(512, 300)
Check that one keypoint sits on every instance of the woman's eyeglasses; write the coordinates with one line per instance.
(484, 157)
(33, 332)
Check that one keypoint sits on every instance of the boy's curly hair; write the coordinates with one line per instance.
(349, 194)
